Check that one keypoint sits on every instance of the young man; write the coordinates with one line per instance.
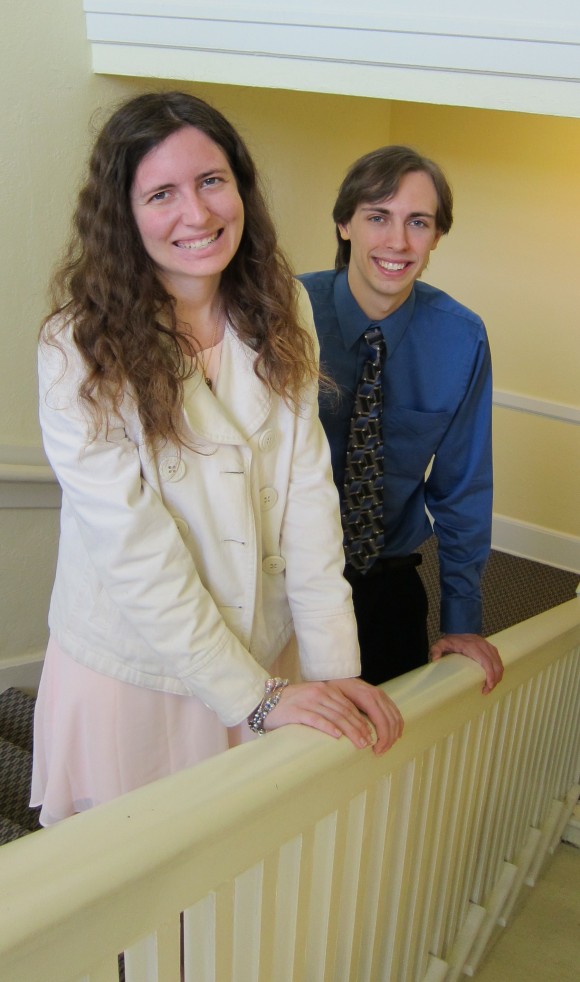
(392, 208)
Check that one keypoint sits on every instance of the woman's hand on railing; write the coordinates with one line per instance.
(475, 647)
(341, 707)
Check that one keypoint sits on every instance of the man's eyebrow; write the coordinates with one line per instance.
(387, 211)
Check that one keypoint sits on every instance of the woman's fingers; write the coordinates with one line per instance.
(318, 705)
(380, 709)
(336, 708)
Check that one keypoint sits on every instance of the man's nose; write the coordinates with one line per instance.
(397, 235)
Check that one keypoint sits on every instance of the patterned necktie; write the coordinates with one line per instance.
(362, 506)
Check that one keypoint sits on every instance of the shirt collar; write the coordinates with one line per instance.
(354, 322)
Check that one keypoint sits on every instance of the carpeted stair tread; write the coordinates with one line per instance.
(16, 731)
(11, 830)
(15, 771)
(17, 717)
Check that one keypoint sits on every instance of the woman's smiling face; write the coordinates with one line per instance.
(187, 207)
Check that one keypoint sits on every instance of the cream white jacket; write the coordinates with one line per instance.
(189, 570)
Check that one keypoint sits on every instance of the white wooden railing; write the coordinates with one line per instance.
(299, 859)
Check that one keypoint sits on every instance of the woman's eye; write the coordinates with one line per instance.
(210, 182)
(159, 196)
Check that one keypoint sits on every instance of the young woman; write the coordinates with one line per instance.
(200, 558)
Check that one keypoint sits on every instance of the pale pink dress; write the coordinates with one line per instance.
(96, 737)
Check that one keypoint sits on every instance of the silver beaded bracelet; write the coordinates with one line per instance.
(272, 691)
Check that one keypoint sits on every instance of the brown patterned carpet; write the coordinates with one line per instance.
(513, 589)
(16, 723)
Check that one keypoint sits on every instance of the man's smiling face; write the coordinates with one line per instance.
(390, 244)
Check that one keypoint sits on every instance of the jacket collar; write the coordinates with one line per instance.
(241, 402)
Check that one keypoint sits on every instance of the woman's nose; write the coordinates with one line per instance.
(194, 210)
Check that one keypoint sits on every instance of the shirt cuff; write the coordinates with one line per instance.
(460, 616)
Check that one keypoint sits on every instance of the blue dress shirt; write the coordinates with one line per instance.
(437, 411)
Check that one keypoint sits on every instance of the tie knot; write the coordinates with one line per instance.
(374, 338)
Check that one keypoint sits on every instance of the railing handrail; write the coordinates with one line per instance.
(98, 862)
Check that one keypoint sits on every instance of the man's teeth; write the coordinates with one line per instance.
(392, 267)
(199, 243)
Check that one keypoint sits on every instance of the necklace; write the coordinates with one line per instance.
(204, 366)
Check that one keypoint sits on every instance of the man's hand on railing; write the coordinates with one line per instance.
(475, 647)
(341, 707)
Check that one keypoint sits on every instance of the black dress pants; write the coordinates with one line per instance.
(391, 608)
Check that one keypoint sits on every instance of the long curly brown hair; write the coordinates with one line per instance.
(123, 319)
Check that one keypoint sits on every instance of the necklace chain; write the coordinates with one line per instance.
(204, 367)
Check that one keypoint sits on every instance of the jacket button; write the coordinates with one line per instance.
(267, 440)
(171, 469)
(273, 565)
(268, 498)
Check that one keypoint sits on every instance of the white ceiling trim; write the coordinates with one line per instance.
(501, 63)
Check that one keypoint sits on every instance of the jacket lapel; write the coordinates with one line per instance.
(241, 402)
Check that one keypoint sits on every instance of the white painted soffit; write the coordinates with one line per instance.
(521, 55)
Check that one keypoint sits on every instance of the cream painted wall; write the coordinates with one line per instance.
(303, 143)
(52, 104)
(48, 95)
(513, 256)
